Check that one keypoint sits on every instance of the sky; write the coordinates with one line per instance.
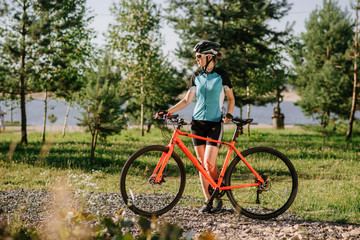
(299, 13)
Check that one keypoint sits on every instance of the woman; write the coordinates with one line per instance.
(210, 85)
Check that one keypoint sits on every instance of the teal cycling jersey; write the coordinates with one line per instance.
(210, 93)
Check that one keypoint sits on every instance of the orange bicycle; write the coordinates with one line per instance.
(260, 182)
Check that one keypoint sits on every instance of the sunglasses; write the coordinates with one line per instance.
(200, 56)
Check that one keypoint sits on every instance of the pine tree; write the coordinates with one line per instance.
(34, 51)
(135, 37)
(61, 67)
(242, 29)
(323, 79)
(101, 101)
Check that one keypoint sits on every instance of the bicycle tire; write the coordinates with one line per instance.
(140, 194)
(272, 198)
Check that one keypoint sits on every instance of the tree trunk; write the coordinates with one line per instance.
(45, 115)
(325, 119)
(241, 111)
(11, 112)
(353, 107)
(142, 108)
(278, 117)
(23, 110)
(22, 81)
(66, 118)
(93, 146)
(142, 119)
(248, 109)
(148, 127)
(354, 95)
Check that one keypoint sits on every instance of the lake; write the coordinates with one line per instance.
(260, 114)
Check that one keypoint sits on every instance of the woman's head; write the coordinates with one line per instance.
(207, 52)
(207, 47)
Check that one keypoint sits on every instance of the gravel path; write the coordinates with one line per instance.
(33, 206)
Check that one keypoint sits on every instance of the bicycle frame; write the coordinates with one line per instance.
(176, 140)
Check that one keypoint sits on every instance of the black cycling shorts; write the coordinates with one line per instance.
(207, 129)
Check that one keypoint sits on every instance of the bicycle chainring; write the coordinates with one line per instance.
(220, 194)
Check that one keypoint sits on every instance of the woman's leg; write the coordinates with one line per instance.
(207, 154)
(200, 153)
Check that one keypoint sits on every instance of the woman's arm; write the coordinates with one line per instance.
(183, 102)
(231, 102)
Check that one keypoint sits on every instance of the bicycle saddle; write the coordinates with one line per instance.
(242, 122)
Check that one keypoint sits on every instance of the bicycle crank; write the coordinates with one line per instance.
(220, 194)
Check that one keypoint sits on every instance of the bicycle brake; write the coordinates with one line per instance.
(152, 180)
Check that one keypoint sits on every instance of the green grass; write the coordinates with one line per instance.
(15, 123)
(328, 168)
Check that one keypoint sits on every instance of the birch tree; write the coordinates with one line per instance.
(355, 57)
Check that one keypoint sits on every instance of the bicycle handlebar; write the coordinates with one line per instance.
(180, 121)
(173, 119)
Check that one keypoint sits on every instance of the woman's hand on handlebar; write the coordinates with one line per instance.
(160, 114)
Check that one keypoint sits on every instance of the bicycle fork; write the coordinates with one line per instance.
(157, 175)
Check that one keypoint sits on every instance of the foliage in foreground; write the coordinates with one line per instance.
(81, 226)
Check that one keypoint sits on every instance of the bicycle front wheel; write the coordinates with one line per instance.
(267, 200)
(138, 188)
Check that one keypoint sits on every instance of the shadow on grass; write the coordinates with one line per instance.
(74, 150)
(109, 157)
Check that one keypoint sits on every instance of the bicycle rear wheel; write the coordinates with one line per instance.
(270, 199)
(137, 186)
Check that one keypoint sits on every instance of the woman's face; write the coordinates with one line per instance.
(200, 59)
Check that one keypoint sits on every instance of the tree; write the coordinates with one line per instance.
(15, 51)
(136, 39)
(61, 69)
(101, 101)
(241, 27)
(322, 69)
(169, 84)
(31, 35)
(355, 57)
(279, 73)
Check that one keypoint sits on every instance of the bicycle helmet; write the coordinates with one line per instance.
(207, 47)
